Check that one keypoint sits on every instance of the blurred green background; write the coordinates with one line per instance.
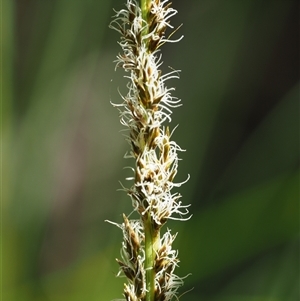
(63, 150)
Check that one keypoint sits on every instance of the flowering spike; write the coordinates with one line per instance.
(148, 260)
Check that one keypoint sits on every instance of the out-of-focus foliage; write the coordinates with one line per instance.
(63, 153)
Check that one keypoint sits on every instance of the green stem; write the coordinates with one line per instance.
(151, 245)
(145, 7)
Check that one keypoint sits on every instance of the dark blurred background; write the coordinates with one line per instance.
(63, 150)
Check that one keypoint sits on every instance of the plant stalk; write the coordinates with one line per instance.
(148, 261)
(152, 239)
(145, 7)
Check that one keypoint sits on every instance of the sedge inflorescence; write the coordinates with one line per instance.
(148, 260)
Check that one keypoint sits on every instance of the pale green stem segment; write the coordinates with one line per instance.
(145, 7)
(151, 245)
